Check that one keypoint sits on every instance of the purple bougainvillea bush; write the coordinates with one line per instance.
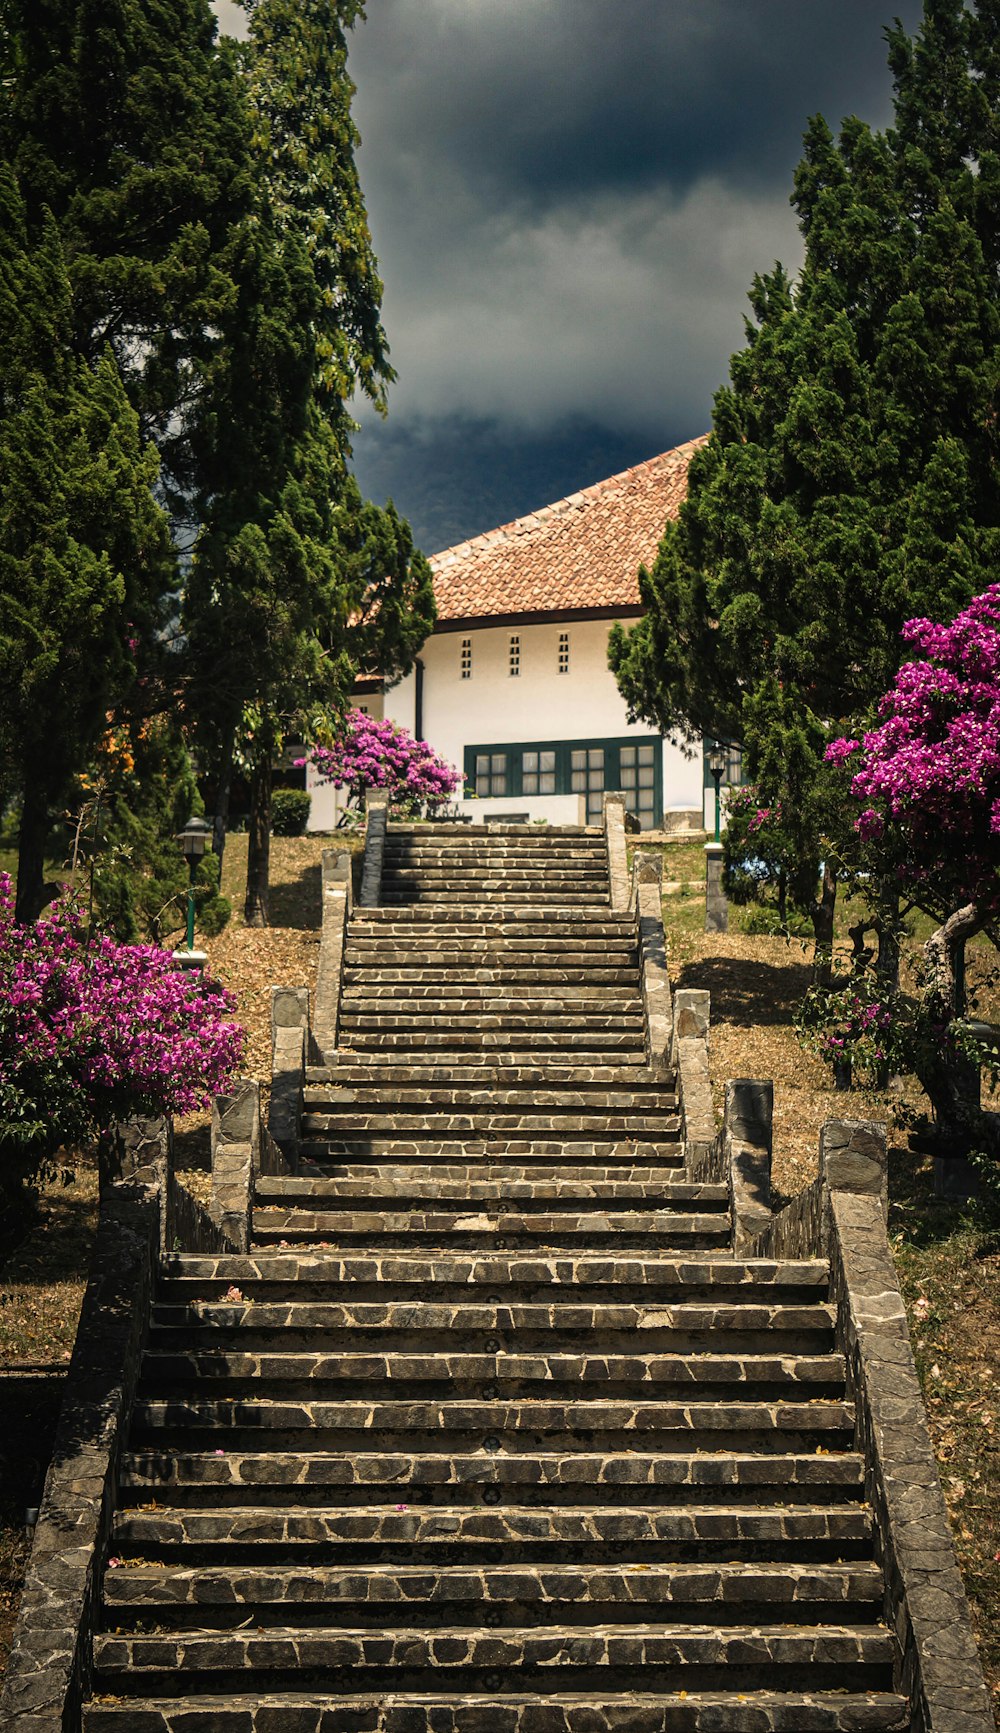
(928, 776)
(373, 754)
(93, 1031)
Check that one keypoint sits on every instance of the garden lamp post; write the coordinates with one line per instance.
(716, 765)
(716, 906)
(193, 840)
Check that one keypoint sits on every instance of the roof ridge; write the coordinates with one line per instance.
(547, 513)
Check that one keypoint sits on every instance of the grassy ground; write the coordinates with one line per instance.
(948, 1259)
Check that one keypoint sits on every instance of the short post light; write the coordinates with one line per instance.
(717, 765)
(193, 841)
(716, 906)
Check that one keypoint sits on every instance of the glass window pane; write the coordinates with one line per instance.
(529, 760)
(647, 776)
(498, 761)
(646, 754)
(547, 760)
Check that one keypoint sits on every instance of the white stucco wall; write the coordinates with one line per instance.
(494, 708)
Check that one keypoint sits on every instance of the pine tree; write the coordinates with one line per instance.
(126, 121)
(850, 480)
(83, 547)
(295, 580)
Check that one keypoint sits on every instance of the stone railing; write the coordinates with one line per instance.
(842, 1217)
(338, 900)
(644, 899)
(689, 1057)
(613, 813)
(145, 1217)
(376, 825)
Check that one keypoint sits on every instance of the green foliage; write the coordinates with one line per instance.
(126, 120)
(140, 793)
(212, 909)
(850, 480)
(83, 546)
(290, 811)
(295, 580)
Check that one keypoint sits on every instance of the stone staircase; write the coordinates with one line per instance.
(491, 1432)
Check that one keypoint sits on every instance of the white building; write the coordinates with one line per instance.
(513, 686)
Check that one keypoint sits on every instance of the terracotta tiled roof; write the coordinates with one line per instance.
(583, 552)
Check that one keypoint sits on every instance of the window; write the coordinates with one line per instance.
(538, 771)
(587, 777)
(514, 663)
(529, 768)
(491, 773)
(638, 776)
(563, 662)
(465, 659)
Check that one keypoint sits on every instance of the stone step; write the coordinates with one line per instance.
(780, 1423)
(494, 873)
(469, 1012)
(470, 1187)
(410, 921)
(634, 1528)
(506, 899)
(736, 1280)
(443, 1125)
(436, 1044)
(568, 1122)
(414, 1591)
(645, 1096)
(761, 1711)
(515, 1064)
(560, 1000)
(643, 1327)
(652, 1372)
(495, 914)
(510, 1070)
(833, 1657)
(583, 1476)
(448, 952)
(521, 975)
(329, 1156)
(484, 1225)
(347, 1069)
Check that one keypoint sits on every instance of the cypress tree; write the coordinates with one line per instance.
(295, 579)
(850, 479)
(83, 546)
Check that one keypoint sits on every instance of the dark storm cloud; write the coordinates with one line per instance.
(569, 200)
(536, 100)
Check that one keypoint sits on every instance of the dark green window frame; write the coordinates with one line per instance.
(612, 747)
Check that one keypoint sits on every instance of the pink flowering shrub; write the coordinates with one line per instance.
(373, 754)
(927, 778)
(93, 1032)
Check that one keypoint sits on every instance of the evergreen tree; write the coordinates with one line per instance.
(83, 546)
(850, 480)
(295, 580)
(125, 137)
(126, 120)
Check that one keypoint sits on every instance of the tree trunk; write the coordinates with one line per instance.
(32, 891)
(887, 962)
(952, 1083)
(822, 913)
(220, 823)
(255, 911)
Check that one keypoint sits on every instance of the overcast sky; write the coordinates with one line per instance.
(569, 199)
